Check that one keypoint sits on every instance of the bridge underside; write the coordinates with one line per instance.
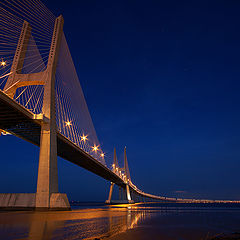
(20, 122)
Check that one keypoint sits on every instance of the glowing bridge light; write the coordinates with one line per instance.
(3, 63)
(102, 155)
(68, 123)
(84, 138)
(95, 148)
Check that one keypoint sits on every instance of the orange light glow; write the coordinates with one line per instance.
(102, 155)
(68, 123)
(95, 148)
(84, 138)
(3, 63)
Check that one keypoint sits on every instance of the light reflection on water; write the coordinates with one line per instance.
(105, 222)
(86, 223)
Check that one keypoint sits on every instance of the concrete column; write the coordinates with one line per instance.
(47, 171)
(110, 193)
(18, 59)
(128, 193)
(47, 195)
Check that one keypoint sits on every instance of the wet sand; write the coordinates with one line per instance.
(118, 222)
(192, 225)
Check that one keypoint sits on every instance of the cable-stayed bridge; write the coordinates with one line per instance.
(42, 102)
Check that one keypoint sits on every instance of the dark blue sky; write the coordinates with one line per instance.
(162, 78)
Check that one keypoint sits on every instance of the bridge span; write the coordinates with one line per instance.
(22, 123)
(42, 102)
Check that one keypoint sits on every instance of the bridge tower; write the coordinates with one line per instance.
(124, 191)
(127, 174)
(47, 196)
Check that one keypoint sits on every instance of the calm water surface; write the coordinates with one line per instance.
(138, 221)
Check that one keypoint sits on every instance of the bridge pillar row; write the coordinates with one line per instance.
(124, 195)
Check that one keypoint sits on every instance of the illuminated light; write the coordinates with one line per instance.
(68, 123)
(95, 148)
(3, 63)
(84, 138)
(3, 132)
(102, 155)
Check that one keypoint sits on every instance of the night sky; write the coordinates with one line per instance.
(163, 79)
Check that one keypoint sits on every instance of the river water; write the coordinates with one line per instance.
(137, 222)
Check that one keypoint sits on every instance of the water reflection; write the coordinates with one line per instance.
(41, 227)
(150, 221)
(99, 223)
(132, 217)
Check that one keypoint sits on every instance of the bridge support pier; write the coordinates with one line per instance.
(124, 193)
(124, 196)
(47, 195)
(110, 193)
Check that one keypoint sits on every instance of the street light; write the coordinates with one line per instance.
(84, 138)
(95, 148)
(68, 123)
(3, 63)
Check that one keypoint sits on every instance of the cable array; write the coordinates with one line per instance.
(73, 118)
(12, 16)
(72, 115)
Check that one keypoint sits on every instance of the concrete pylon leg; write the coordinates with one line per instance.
(110, 193)
(128, 193)
(47, 171)
(47, 195)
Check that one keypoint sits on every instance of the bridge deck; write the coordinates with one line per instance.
(19, 121)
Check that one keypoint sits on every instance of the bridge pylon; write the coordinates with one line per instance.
(124, 190)
(47, 195)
